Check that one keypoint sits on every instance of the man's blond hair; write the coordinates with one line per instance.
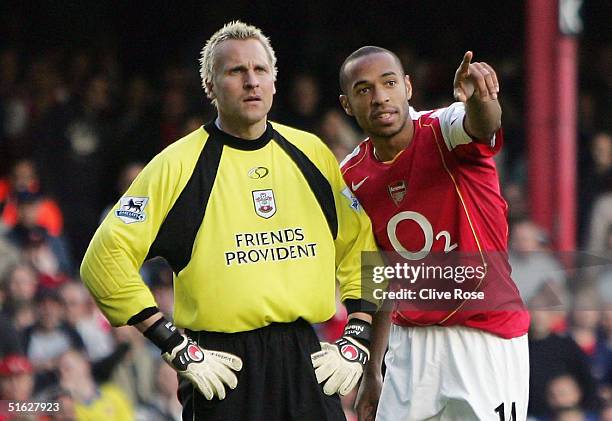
(232, 30)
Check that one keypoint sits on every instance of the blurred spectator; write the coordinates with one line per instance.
(587, 114)
(92, 402)
(584, 320)
(23, 281)
(600, 222)
(10, 342)
(9, 256)
(514, 194)
(81, 67)
(16, 384)
(551, 356)
(47, 253)
(603, 83)
(16, 381)
(21, 285)
(50, 336)
(595, 180)
(83, 315)
(601, 268)
(303, 105)
(164, 405)
(572, 414)
(82, 132)
(138, 133)
(606, 413)
(174, 109)
(602, 361)
(338, 133)
(193, 123)
(534, 268)
(14, 112)
(24, 179)
(135, 374)
(563, 394)
(64, 399)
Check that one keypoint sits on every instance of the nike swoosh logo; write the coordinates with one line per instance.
(356, 186)
(453, 122)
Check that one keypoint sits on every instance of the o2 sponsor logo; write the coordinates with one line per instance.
(428, 233)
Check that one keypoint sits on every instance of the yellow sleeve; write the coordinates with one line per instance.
(354, 237)
(110, 268)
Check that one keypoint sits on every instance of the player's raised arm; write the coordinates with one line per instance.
(477, 86)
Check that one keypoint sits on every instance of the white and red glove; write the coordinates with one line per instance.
(209, 371)
(340, 365)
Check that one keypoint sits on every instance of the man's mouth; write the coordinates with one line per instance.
(383, 115)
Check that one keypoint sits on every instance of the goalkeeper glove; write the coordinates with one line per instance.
(207, 370)
(340, 364)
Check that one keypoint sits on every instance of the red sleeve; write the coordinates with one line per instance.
(481, 148)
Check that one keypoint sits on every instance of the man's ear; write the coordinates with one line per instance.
(408, 87)
(345, 104)
(210, 91)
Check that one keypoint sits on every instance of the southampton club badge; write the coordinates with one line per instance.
(265, 206)
(131, 209)
(397, 191)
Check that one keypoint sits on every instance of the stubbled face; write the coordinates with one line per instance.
(243, 84)
(377, 94)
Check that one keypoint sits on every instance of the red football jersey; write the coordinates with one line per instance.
(441, 197)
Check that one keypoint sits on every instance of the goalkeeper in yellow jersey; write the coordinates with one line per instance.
(257, 224)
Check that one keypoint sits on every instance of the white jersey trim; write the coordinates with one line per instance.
(351, 155)
(451, 124)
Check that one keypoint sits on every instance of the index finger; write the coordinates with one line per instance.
(465, 63)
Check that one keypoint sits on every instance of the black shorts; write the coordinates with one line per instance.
(277, 381)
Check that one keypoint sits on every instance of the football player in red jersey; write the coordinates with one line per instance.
(429, 184)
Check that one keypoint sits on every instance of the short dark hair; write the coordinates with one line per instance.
(362, 52)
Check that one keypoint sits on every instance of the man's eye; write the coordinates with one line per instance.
(391, 83)
(364, 90)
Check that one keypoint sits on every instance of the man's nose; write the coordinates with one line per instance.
(251, 80)
(379, 96)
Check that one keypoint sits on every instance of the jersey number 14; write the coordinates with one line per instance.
(500, 410)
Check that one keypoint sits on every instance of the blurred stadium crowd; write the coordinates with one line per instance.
(76, 127)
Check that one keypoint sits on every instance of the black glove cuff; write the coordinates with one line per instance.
(142, 315)
(164, 335)
(354, 305)
(359, 330)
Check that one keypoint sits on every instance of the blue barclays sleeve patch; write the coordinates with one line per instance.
(353, 202)
(131, 209)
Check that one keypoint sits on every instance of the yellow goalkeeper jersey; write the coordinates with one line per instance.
(256, 231)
